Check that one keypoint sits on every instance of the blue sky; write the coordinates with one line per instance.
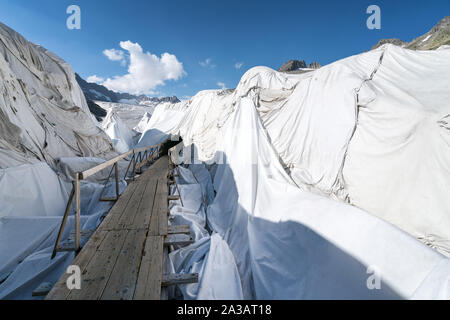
(225, 32)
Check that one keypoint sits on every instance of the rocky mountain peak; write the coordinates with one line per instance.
(314, 65)
(292, 65)
(438, 36)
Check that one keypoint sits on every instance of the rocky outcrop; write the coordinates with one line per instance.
(438, 36)
(394, 41)
(96, 110)
(292, 65)
(314, 65)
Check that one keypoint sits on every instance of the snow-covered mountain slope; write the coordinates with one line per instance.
(362, 129)
(43, 112)
(94, 91)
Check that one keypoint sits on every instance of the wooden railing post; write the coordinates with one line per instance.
(77, 211)
(63, 223)
(116, 171)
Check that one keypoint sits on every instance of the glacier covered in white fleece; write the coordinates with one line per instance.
(43, 112)
(329, 129)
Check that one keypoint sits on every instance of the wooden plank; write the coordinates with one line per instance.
(165, 270)
(112, 218)
(176, 279)
(120, 261)
(69, 243)
(178, 239)
(148, 286)
(179, 229)
(173, 198)
(154, 220)
(98, 271)
(162, 211)
(144, 214)
(60, 290)
(127, 218)
(121, 285)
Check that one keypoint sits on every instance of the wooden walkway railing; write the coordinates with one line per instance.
(139, 158)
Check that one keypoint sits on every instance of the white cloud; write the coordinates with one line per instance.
(146, 71)
(238, 65)
(222, 85)
(114, 55)
(207, 63)
(95, 79)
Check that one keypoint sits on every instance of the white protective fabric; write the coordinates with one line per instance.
(301, 245)
(399, 147)
(32, 201)
(192, 211)
(43, 112)
(121, 135)
(213, 261)
(143, 123)
(32, 190)
(160, 125)
(130, 114)
(398, 162)
(289, 239)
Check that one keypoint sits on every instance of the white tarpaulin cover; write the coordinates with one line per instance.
(143, 123)
(130, 114)
(209, 256)
(398, 161)
(323, 178)
(121, 135)
(33, 199)
(285, 141)
(43, 112)
(161, 123)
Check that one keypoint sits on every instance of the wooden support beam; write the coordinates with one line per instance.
(173, 198)
(42, 290)
(110, 199)
(77, 211)
(69, 244)
(178, 239)
(63, 223)
(116, 171)
(176, 279)
(179, 229)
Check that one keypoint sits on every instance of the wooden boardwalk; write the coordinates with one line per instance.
(124, 257)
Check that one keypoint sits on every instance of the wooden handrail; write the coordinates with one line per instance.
(87, 173)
